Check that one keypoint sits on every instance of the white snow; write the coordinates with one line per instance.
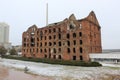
(60, 72)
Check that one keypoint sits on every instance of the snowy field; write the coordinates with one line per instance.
(60, 72)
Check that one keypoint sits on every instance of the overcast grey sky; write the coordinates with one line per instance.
(21, 14)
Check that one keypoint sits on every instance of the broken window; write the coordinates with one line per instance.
(45, 50)
(68, 49)
(68, 36)
(59, 56)
(71, 26)
(37, 39)
(59, 36)
(54, 30)
(45, 56)
(54, 36)
(80, 42)
(74, 50)
(54, 43)
(50, 44)
(81, 50)
(41, 37)
(32, 42)
(80, 34)
(50, 37)
(41, 44)
(49, 30)
(81, 58)
(74, 57)
(45, 31)
(40, 50)
(59, 30)
(74, 42)
(68, 43)
(59, 43)
(45, 43)
(74, 35)
(24, 44)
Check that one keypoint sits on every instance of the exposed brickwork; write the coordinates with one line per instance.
(69, 39)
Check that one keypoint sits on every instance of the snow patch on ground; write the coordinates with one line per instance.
(61, 72)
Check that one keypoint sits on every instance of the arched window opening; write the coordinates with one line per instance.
(59, 57)
(81, 50)
(71, 26)
(59, 30)
(80, 34)
(68, 36)
(45, 56)
(41, 44)
(59, 43)
(50, 37)
(81, 58)
(68, 43)
(74, 35)
(40, 50)
(54, 30)
(74, 50)
(81, 42)
(45, 50)
(74, 57)
(50, 44)
(68, 49)
(74, 42)
(59, 36)
(49, 30)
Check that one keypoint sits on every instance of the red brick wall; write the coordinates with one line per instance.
(84, 34)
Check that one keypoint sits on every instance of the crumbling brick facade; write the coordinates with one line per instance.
(69, 39)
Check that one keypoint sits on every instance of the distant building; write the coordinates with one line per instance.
(4, 35)
(69, 39)
(111, 57)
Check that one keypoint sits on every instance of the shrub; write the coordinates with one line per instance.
(59, 62)
(13, 52)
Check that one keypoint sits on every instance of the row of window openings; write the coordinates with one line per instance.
(54, 56)
(59, 36)
(74, 50)
(74, 58)
(54, 37)
(45, 50)
(50, 31)
(54, 43)
(54, 50)
(60, 44)
(59, 57)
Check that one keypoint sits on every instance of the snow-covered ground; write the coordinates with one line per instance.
(60, 72)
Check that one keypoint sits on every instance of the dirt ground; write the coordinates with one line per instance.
(13, 74)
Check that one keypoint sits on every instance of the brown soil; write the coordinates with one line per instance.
(13, 74)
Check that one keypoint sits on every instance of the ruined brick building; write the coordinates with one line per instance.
(69, 39)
